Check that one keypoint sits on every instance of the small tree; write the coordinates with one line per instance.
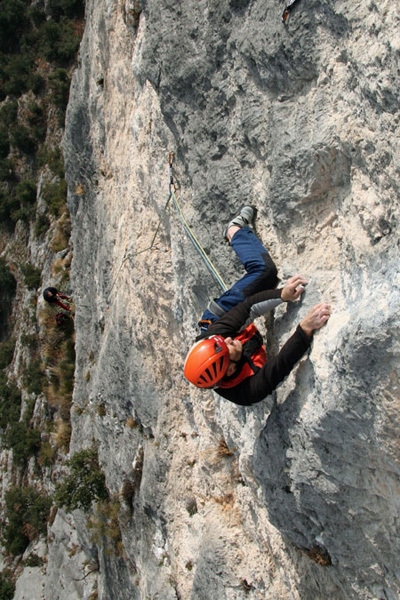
(6, 352)
(23, 441)
(8, 286)
(4, 143)
(32, 276)
(55, 196)
(22, 139)
(26, 514)
(59, 83)
(7, 586)
(85, 483)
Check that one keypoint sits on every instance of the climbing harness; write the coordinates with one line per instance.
(188, 230)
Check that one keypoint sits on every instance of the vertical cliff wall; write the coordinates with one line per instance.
(297, 497)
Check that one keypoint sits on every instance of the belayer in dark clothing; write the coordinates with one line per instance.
(229, 355)
(52, 295)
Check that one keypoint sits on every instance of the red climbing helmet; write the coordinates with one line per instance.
(207, 362)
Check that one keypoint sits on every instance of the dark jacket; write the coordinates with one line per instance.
(264, 382)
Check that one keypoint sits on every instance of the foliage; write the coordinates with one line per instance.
(9, 113)
(38, 121)
(42, 225)
(26, 514)
(58, 42)
(23, 200)
(56, 162)
(6, 352)
(7, 281)
(55, 195)
(13, 22)
(32, 276)
(34, 377)
(30, 35)
(4, 143)
(7, 586)
(17, 74)
(73, 9)
(47, 455)
(59, 83)
(10, 405)
(22, 140)
(60, 241)
(25, 192)
(8, 287)
(23, 441)
(84, 484)
(105, 528)
(8, 205)
(7, 171)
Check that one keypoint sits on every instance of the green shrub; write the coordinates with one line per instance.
(33, 377)
(10, 405)
(42, 225)
(13, 23)
(58, 42)
(33, 560)
(7, 207)
(37, 121)
(8, 287)
(4, 143)
(84, 484)
(55, 196)
(7, 172)
(47, 455)
(30, 340)
(26, 514)
(73, 9)
(56, 163)
(23, 441)
(32, 276)
(104, 527)
(53, 158)
(59, 84)
(18, 72)
(6, 352)
(21, 138)
(36, 83)
(7, 586)
(9, 113)
(8, 284)
(25, 192)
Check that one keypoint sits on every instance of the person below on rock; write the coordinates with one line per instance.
(229, 355)
(52, 295)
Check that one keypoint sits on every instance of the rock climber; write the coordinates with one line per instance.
(229, 355)
(52, 295)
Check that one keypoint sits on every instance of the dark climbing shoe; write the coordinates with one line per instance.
(244, 218)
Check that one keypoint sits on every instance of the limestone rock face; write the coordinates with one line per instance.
(299, 496)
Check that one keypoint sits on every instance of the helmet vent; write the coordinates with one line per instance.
(207, 362)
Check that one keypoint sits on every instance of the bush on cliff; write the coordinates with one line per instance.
(85, 483)
(26, 514)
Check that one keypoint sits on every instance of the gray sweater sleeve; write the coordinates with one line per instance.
(261, 308)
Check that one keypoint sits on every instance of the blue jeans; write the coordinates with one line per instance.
(261, 273)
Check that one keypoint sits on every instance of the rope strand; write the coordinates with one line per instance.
(186, 227)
